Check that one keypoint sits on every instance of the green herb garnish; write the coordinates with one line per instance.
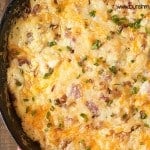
(33, 99)
(25, 100)
(96, 44)
(78, 76)
(100, 71)
(18, 83)
(135, 90)
(109, 102)
(141, 78)
(136, 24)
(49, 125)
(33, 112)
(143, 115)
(80, 63)
(146, 125)
(97, 61)
(53, 43)
(110, 11)
(113, 69)
(27, 109)
(46, 76)
(147, 30)
(88, 148)
(92, 13)
(52, 108)
(124, 116)
(61, 125)
(70, 49)
(60, 49)
(132, 61)
(108, 37)
(84, 116)
(112, 115)
(46, 130)
(123, 21)
(48, 115)
(118, 20)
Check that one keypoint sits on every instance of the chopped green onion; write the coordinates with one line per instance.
(61, 125)
(97, 61)
(80, 63)
(146, 125)
(84, 116)
(92, 13)
(136, 24)
(132, 61)
(125, 116)
(100, 71)
(109, 102)
(78, 76)
(60, 49)
(49, 125)
(84, 58)
(18, 83)
(113, 69)
(108, 37)
(48, 115)
(27, 109)
(147, 30)
(33, 99)
(46, 76)
(33, 112)
(52, 108)
(143, 115)
(46, 130)
(58, 9)
(21, 71)
(70, 49)
(96, 44)
(119, 21)
(53, 43)
(110, 11)
(142, 15)
(135, 90)
(88, 148)
(141, 78)
(82, 141)
(25, 100)
(112, 115)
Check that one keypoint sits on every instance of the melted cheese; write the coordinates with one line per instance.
(80, 78)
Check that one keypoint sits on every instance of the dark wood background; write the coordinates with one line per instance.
(6, 140)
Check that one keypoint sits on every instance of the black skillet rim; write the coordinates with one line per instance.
(14, 9)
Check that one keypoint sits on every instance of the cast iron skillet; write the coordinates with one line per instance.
(15, 9)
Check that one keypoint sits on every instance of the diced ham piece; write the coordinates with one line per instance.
(23, 60)
(75, 91)
(63, 99)
(93, 108)
(64, 144)
(36, 9)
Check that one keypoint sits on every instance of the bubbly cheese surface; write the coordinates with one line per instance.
(80, 74)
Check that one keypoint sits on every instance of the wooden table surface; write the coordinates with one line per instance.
(6, 140)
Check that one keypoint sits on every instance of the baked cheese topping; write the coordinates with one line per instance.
(80, 74)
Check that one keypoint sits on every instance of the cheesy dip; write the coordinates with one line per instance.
(80, 74)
